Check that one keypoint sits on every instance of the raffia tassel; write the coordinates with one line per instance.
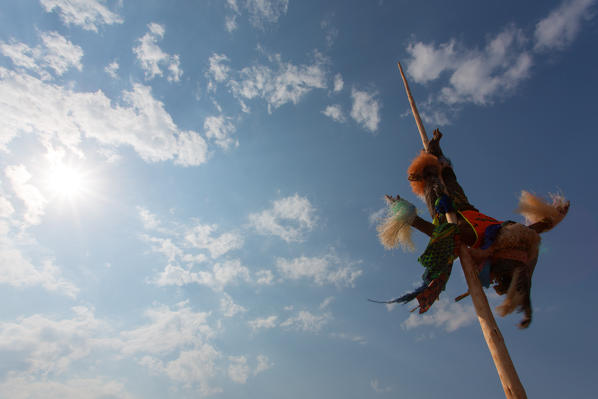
(535, 209)
(395, 229)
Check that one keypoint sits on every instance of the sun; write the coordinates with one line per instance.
(68, 181)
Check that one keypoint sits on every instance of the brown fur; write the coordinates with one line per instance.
(415, 172)
(536, 210)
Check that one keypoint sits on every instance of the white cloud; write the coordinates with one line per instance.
(168, 330)
(219, 69)
(230, 23)
(261, 12)
(238, 370)
(88, 14)
(57, 54)
(335, 112)
(287, 83)
(263, 364)
(166, 247)
(6, 208)
(326, 302)
(229, 308)
(263, 323)
(220, 129)
(376, 216)
(266, 11)
(30, 105)
(35, 202)
(25, 387)
(51, 346)
(428, 62)
(201, 236)
(375, 384)
(150, 221)
(195, 368)
(112, 69)
(331, 33)
(328, 269)
(153, 59)
(366, 109)
(264, 277)
(450, 315)
(18, 271)
(338, 82)
(562, 25)
(221, 275)
(289, 218)
(306, 321)
(481, 76)
(349, 337)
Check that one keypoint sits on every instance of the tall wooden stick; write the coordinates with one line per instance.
(494, 339)
(418, 121)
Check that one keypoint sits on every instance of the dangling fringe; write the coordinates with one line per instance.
(535, 209)
(395, 229)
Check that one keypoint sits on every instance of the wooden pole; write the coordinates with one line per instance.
(418, 121)
(494, 339)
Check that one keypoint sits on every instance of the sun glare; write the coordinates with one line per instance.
(67, 181)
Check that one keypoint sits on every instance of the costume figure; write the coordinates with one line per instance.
(506, 252)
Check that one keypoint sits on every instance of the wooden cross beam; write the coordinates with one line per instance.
(494, 339)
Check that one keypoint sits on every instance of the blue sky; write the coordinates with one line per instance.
(189, 192)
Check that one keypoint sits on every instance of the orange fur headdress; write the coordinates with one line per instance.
(416, 169)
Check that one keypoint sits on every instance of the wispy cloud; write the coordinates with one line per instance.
(375, 384)
(366, 109)
(448, 315)
(51, 345)
(220, 274)
(306, 321)
(112, 69)
(289, 218)
(261, 12)
(153, 60)
(239, 369)
(338, 83)
(22, 386)
(202, 236)
(229, 308)
(88, 14)
(219, 129)
(562, 25)
(57, 54)
(483, 76)
(327, 269)
(34, 200)
(58, 113)
(334, 112)
(263, 323)
(281, 83)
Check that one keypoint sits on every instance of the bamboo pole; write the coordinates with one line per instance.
(494, 339)
(451, 217)
(418, 121)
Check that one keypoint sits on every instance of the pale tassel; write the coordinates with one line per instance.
(535, 209)
(395, 229)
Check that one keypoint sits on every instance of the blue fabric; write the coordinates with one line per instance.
(444, 205)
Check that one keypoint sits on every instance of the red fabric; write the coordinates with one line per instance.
(480, 223)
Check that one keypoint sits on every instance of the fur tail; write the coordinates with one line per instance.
(536, 210)
(395, 229)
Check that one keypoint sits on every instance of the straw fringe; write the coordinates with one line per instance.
(395, 229)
